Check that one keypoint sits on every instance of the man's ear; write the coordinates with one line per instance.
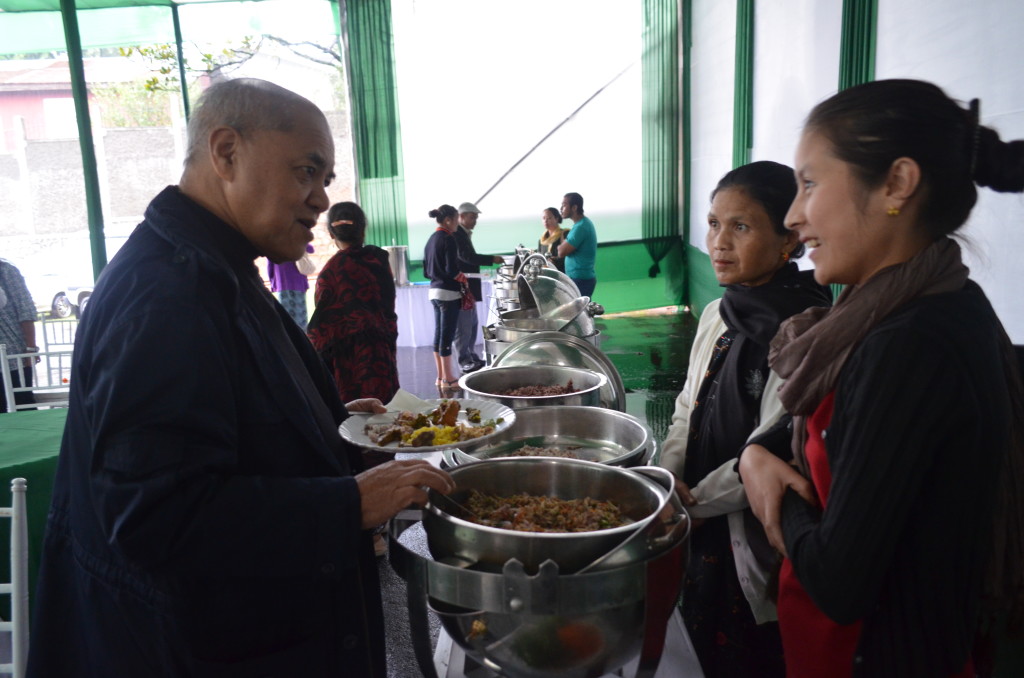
(224, 147)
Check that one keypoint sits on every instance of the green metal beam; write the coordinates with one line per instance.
(686, 8)
(743, 98)
(80, 91)
(181, 61)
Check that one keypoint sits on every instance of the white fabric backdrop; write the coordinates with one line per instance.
(712, 65)
(416, 313)
(971, 50)
(796, 65)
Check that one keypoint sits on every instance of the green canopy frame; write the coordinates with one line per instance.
(366, 99)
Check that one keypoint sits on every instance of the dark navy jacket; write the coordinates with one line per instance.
(441, 261)
(470, 261)
(201, 523)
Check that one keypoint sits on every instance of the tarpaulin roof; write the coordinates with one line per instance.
(54, 5)
(31, 26)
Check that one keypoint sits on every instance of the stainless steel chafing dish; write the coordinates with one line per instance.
(526, 625)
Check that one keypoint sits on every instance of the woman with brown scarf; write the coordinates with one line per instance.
(902, 529)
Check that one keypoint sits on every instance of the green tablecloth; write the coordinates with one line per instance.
(29, 445)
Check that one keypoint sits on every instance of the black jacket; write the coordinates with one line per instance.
(470, 261)
(919, 428)
(441, 261)
(201, 524)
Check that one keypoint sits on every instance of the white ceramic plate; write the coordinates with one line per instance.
(353, 428)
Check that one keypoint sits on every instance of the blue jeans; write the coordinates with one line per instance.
(446, 317)
(586, 286)
(465, 337)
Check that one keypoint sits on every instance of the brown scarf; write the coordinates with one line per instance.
(811, 348)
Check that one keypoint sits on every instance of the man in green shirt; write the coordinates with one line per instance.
(580, 247)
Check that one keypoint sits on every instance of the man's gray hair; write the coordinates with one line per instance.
(246, 105)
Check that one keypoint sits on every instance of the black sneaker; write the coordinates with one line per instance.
(466, 369)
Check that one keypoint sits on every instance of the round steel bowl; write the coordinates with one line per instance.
(569, 310)
(502, 292)
(452, 539)
(533, 324)
(582, 325)
(519, 314)
(604, 436)
(486, 384)
(508, 305)
(548, 293)
(512, 334)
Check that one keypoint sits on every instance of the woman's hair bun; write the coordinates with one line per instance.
(998, 164)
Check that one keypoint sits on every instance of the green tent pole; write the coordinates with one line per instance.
(181, 60)
(81, 95)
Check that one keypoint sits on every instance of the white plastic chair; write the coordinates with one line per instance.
(50, 381)
(18, 586)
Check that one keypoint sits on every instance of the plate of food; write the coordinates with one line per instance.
(431, 426)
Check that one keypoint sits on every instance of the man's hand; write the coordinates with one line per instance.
(765, 479)
(371, 405)
(499, 260)
(387, 489)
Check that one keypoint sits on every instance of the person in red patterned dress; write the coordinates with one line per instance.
(354, 327)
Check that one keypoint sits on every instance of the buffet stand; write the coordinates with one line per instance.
(506, 608)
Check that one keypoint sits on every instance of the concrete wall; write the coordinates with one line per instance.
(42, 189)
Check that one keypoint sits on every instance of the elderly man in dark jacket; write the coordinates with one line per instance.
(466, 331)
(207, 518)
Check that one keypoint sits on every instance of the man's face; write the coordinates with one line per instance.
(277, 190)
(567, 209)
(468, 220)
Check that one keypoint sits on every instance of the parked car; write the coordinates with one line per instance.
(61, 280)
(70, 301)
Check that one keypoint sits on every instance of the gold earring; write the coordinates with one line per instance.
(893, 211)
(785, 256)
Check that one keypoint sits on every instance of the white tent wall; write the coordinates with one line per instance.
(971, 50)
(968, 49)
(479, 84)
(796, 65)
(712, 67)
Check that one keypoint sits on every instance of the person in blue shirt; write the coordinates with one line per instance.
(580, 247)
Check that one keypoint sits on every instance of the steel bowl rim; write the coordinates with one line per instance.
(552, 411)
(602, 380)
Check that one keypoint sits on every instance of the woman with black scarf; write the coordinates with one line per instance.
(730, 393)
